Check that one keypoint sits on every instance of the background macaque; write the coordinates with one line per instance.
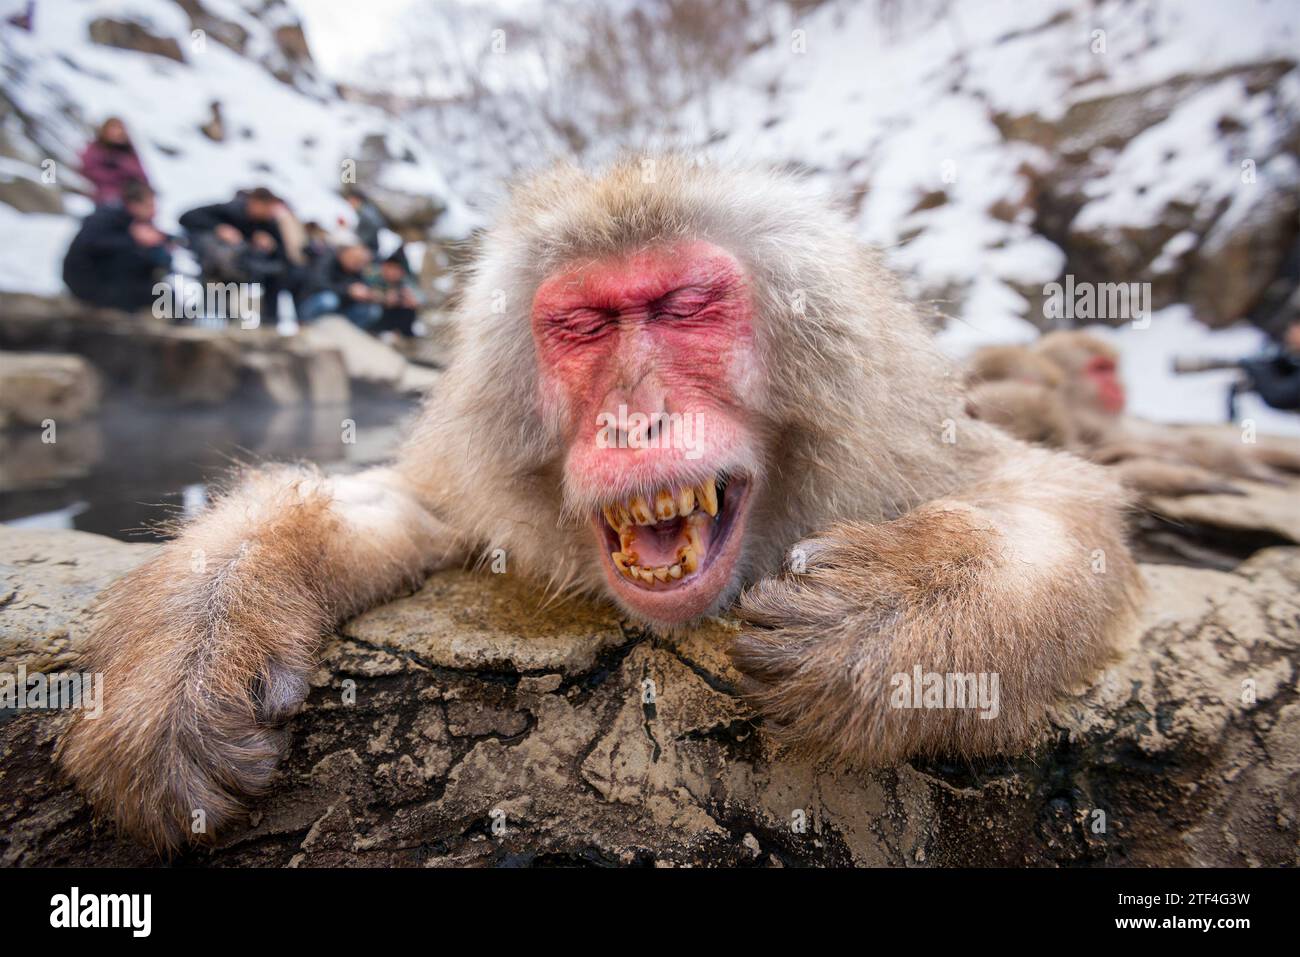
(1081, 407)
(1021, 392)
(833, 487)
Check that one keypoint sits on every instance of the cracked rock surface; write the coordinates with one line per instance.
(471, 724)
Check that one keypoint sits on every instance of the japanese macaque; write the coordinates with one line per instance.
(1161, 453)
(1064, 392)
(681, 389)
(1020, 392)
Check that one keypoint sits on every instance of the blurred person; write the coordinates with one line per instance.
(397, 294)
(1275, 378)
(316, 249)
(241, 241)
(118, 254)
(110, 161)
(337, 285)
(369, 220)
(316, 243)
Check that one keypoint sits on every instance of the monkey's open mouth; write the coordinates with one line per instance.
(672, 540)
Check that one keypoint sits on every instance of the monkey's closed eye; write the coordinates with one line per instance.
(585, 321)
(682, 303)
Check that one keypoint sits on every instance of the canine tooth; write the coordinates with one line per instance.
(693, 533)
(685, 500)
(690, 561)
(661, 573)
(626, 539)
(617, 517)
(611, 517)
(665, 507)
(709, 496)
(640, 510)
(675, 571)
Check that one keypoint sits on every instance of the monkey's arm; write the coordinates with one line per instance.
(1024, 576)
(205, 649)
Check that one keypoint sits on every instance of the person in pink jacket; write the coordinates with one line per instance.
(110, 162)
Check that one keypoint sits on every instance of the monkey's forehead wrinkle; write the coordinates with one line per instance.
(566, 214)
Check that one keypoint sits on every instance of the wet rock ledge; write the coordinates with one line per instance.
(468, 725)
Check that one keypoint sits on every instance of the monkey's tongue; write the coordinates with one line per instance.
(661, 544)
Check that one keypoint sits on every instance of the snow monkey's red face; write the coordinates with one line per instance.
(1102, 372)
(647, 364)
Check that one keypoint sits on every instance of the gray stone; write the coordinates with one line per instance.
(40, 386)
(129, 35)
(29, 195)
(366, 358)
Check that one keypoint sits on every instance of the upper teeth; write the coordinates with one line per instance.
(666, 505)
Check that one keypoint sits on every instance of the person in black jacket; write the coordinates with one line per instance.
(369, 220)
(338, 285)
(240, 241)
(1277, 377)
(118, 254)
(397, 294)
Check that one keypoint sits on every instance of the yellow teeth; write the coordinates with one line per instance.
(693, 532)
(709, 497)
(617, 516)
(685, 500)
(688, 558)
(698, 504)
(664, 505)
(640, 511)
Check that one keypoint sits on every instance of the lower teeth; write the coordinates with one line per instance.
(687, 562)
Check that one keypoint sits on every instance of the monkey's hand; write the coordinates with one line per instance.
(1007, 606)
(205, 649)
